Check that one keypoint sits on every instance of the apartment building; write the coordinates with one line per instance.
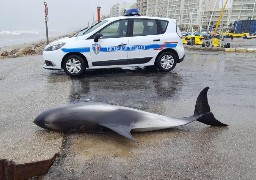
(157, 8)
(240, 10)
(198, 13)
(119, 8)
(186, 12)
(142, 6)
(191, 12)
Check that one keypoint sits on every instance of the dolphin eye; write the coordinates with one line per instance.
(47, 123)
(82, 129)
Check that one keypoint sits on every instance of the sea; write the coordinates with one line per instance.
(20, 37)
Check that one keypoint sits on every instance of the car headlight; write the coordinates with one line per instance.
(54, 47)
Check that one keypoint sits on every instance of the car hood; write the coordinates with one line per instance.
(62, 40)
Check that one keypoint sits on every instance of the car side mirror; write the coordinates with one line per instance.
(97, 37)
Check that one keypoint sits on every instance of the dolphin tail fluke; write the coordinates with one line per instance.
(202, 109)
(209, 119)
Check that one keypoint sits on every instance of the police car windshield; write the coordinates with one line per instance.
(91, 28)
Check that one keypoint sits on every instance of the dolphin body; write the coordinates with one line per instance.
(92, 117)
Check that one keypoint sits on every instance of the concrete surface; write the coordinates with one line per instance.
(194, 151)
(238, 45)
(27, 90)
(228, 50)
(242, 43)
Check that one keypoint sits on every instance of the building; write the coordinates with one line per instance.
(191, 12)
(186, 12)
(153, 7)
(142, 6)
(240, 10)
(198, 13)
(157, 8)
(119, 8)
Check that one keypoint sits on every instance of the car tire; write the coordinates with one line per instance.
(166, 61)
(74, 65)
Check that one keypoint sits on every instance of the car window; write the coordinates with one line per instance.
(115, 30)
(144, 27)
(91, 28)
(163, 26)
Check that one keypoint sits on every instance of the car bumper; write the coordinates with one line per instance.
(50, 67)
(180, 60)
(52, 59)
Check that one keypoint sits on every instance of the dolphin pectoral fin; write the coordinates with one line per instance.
(120, 129)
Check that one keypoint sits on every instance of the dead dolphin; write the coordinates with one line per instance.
(94, 116)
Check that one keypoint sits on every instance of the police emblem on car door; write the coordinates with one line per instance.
(96, 48)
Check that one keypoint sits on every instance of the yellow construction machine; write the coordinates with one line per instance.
(184, 40)
(194, 40)
(216, 42)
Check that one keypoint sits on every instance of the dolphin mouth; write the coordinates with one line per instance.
(40, 121)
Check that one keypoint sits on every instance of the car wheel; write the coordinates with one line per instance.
(74, 65)
(166, 61)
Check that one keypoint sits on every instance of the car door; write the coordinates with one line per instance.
(145, 41)
(111, 48)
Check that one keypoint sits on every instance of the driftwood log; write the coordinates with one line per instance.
(9, 170)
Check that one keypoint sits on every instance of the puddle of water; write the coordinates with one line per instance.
(100, 145)
(131, 90)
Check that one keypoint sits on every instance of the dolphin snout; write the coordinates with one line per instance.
(40, 120)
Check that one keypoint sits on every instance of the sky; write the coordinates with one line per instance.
(64, 15)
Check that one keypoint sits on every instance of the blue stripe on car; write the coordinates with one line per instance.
(170, 45)
(83, 49)
(120, 48)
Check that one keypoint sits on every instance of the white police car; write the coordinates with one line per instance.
(118, 42)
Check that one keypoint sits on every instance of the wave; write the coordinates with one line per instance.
(19, 32)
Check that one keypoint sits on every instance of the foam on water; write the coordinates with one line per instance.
(18, 37)
(19, 32)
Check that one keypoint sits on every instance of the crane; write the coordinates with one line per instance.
(215, 40)
(220, 18)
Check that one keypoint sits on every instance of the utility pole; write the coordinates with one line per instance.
(254, 5)
(199, 15)
(156, 2)
(214, 9)
(168, 5)
(46, 20)
(239, 17)
(98, 13)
